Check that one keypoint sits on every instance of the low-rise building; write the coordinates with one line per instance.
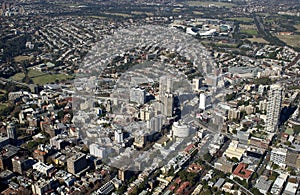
(263, 184)
(279, 184)
(278, 156)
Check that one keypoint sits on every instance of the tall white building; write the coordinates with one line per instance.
(204, 101)
(119, 136)
(278, 156)
(138, 95)
(275, 95)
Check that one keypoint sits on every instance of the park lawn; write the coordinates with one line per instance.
(41, 78)
(3, 106)
(209, 3)
(49, 78)
(249, 31)
(291, 40)
(22, 58)
(31, 73)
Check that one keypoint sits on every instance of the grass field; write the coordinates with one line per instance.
(22, 58)
(41, 78)
(242, 19)
(291, 40)
(209, 3)
(257, 40)
(3, 106)
(249, 31)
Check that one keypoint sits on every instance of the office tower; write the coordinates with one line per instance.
(146, 114)
(275, 95)
(166, 96)
(77, 163)
(138, 95)
(165, 86)
(156, 123)
(11, 131)
(168, 103)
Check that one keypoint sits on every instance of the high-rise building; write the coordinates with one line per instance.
(146, 114)
(76, 163)
(168, 103)
(138, 95)
(21, 164)
(156, 123)
(165, 86)
(275, 95)
(202, 101)
(11, 131)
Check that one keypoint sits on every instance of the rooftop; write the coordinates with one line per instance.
(241, 171)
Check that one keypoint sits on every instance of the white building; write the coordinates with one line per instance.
(98, 151)
(278, 184)
(196, 84)
(278, 156)
(204, 101)
(273, 108)
(119, 136)
(43, 168)
(181, 130)
(291, 188)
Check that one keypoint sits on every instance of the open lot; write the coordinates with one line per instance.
(257, 40)
(22, 58)
(297, 26)
(291, 40)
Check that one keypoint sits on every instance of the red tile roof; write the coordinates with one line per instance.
(183, 187)
(241, 171)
